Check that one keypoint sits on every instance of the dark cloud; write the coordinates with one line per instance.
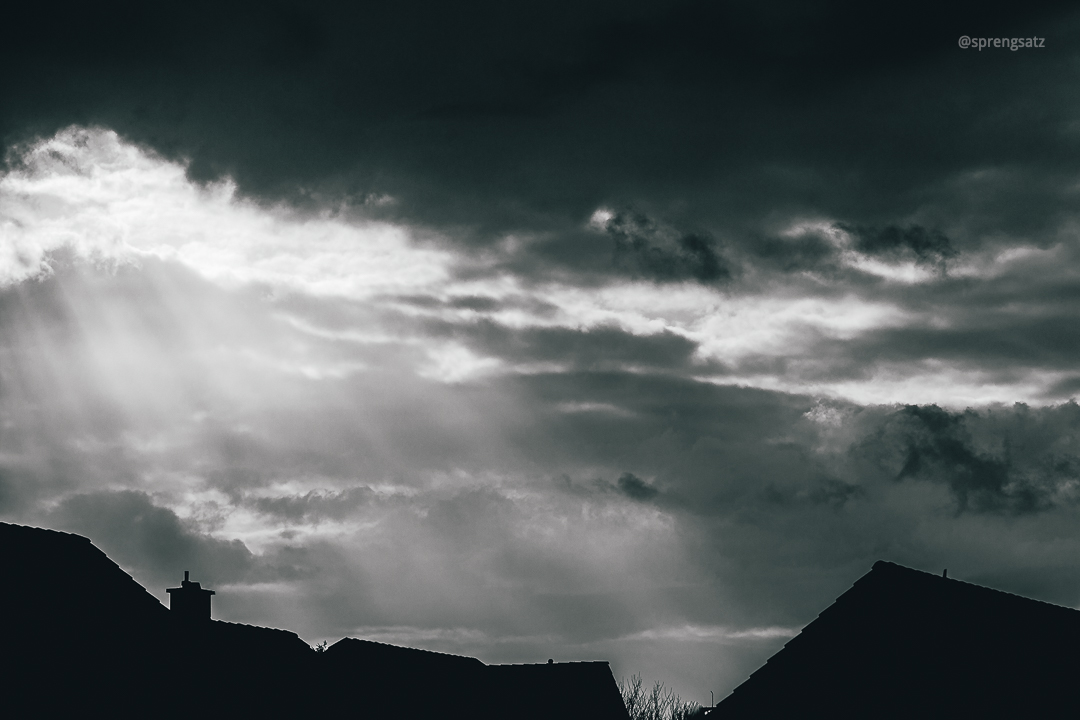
(808, 251)
(811, 249)
(929, 246)
(834, 492)
(1000, 344)
(598, 348)
(150, 540)
(1069, 387)
(636, 488)
(979, 483)
(818, 491)
(645, 250)
(704, 439)
(314, 505)
(986, 459)
(721, 115)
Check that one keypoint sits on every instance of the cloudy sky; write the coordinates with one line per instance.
(632, 331)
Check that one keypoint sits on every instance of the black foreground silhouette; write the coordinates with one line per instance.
(81, 638)
(908, 644)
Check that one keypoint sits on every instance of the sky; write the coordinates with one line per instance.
(629, 331)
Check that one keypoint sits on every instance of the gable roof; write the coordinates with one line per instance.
(64, 580)
(905, 643)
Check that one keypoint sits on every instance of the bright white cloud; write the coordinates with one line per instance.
(88, 190)
(713, 633)
(453, 363)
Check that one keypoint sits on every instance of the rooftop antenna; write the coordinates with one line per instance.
(945, 573)
(712, 700)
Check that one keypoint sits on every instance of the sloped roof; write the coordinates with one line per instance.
(369, 654)
(556, 690)
(905, 643)
(65, 580)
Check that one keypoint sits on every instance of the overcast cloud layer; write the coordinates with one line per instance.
(632, 331)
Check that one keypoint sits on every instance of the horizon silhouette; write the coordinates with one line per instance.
(83, 636)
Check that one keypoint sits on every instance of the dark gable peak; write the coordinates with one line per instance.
(902, 643)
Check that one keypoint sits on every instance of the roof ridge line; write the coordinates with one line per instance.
(887, 563)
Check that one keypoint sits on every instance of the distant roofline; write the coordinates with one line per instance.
(405, 647)
(605, 663)
(553, 664)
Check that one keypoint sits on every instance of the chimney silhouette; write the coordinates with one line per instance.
(190, 601)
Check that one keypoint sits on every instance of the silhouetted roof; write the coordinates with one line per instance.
(557, 690)
(441, 685)
(367, 653)
(65, 580)
(905, 643)
(82, 637)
